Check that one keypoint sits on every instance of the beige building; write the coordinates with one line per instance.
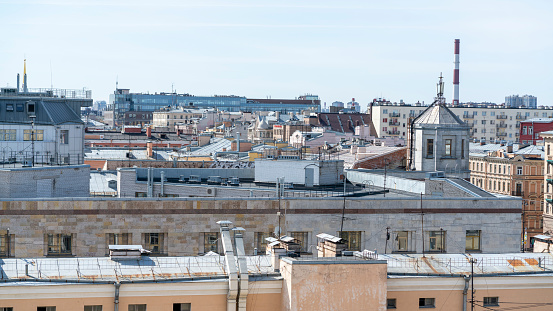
(500, 169)
(168, 118)
(548, 182)
(486, 123)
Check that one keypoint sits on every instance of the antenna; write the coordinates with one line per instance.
(116, 82)
(51, 80)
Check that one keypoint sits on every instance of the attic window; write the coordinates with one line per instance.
(9, 107)
(31, 107)
(20, 108)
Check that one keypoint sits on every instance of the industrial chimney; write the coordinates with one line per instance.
(456, 74)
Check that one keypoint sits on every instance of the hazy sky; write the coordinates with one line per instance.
(283, 49)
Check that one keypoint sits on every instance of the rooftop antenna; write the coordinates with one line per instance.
(116, 82)
(51, 80)
(440, 91)
(25, 75)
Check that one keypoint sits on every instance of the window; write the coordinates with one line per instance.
(462, 148)
(519, 170)
(5, 249)
(9, 107)
(403, 241)
(119, 238)
(210, 242)
(524, 130)
(260, 242)
(19, 108)
(37, 135)
(154, 243)
(45, 308)
(7, 135)
(437, 241)
(30, 107)
(427, 302)
(473, 240)
(483, 113)
(140, 194)
(181, 307)
(137, 307)
(430, 148)
(353, 240)
(391, 303)
(384, 111)
(302, 238)
(92, 308)
(483, 121)
(6, 309)
(59, 244)
(491, 301)
(448, 147)
(530, 130)
(64, 137)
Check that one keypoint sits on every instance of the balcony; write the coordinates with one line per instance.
(394, 123)
(517, 193)
(468, 116)
(501, 126)
(501, 116)
(394, 114)
(520, 117)
(393, 133)
(501, 134)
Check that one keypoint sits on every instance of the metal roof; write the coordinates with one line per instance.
(328, 237)
(103, 269)
(439, 115)
(60, 113)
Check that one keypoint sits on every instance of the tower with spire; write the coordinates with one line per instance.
(439, 140)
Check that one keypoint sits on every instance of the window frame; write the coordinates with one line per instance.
(427, 303)
(473, 237)
(409, 243)
(390, 305)
(138, 307)
(154, 242)
(211, 241)
(93, 308)
(302, 237)
(440, 238)
(188, 306)
(352, 239)
(429, 148)
(57, 244)
(448, 150)
(491, 301)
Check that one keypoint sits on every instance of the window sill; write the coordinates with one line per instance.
(427, 307)
(403, 252)
(468, 251)
(60, 255)
(448, 158)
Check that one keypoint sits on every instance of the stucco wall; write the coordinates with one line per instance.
(331, 285)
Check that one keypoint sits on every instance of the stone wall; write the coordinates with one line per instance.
(45, 182)
(184, 222)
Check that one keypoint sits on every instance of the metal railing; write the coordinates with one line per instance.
(501, 116)
(25, 158)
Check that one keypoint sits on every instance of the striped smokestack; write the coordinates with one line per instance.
(456, 74)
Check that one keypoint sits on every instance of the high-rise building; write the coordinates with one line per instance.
(526, 101)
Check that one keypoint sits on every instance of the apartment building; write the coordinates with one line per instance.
(511, 171)
(488, 123)
(530, 130)
(167, 118)
(548, 182)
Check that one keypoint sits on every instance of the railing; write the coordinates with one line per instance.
(468, 116)
(62, 93)
(394, 114)
(517, 193)
(12, 159)
(393, 133)
(520, 117)
(501, 116)
(501, 125)
(394, 123)
(502, 134)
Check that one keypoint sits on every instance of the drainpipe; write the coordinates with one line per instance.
(230, 262)
(162, 183)
(465, 291)
(242, 269)
(149, 194)
(116, 301)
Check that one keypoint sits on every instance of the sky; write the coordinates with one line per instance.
(283, 49)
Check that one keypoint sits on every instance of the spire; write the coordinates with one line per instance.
(25, 75)
(440, 100)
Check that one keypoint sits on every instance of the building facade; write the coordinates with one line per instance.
(518, 173)
(489, 123)
(530, 130)
(122, 100)
(516, 101)
(548, 182)
(42, 126)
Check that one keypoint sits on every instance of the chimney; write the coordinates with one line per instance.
(150, 149)
(149, 132)
(17, 82)
(456, 74)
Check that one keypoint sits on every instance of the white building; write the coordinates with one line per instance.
(42, 127)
